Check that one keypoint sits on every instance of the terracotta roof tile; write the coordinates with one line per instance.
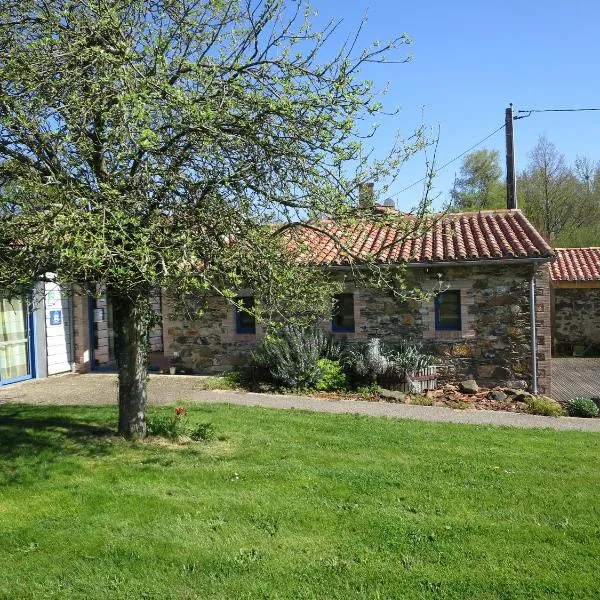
(454, 237)
(576, 264)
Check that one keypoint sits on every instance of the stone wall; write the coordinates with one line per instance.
(493, 345)
(577, 320)
(208, 344)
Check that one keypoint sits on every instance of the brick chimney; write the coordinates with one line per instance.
(366, 195)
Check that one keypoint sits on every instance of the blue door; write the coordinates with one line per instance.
(16, 341)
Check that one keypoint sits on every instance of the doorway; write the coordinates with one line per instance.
(16, 335)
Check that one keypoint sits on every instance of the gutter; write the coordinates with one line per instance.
(447, 263)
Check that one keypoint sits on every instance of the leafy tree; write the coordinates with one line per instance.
(480, 183)
(152, 144)
(588, 232)
(552, 197)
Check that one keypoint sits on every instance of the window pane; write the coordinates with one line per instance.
(245, 322)
(447, 310)
(343, 313)
(14, 339)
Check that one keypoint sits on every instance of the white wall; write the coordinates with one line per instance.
(58, 329)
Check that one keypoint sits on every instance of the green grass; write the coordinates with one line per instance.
(295, 505)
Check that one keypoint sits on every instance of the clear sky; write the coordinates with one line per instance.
(470, 60)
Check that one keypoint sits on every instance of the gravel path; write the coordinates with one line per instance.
(100, 389)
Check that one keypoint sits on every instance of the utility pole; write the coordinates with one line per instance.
(511, 176)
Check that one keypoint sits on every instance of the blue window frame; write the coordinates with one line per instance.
(447, 311)
(245, 322)
(17, 339)
(342, 319)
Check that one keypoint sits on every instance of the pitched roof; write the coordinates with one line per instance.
(455, 237)
(576, 264)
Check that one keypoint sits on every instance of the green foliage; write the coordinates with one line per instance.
(480, 183)
(179, 145)
(174, 426)
(582, 407)
(409, 357)
(367, 362)
(368, 392)
(332, 376)
(421, 400)
(540, 405)
(290, 356)
(171, 426)
(552, 197)
(230, 380)
(203, 432)
(333, 350)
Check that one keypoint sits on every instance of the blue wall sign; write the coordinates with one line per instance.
(56, 317)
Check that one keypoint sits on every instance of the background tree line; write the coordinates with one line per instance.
(561, 200)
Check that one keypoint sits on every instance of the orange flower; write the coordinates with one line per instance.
(180, 410)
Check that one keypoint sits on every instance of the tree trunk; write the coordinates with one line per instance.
(131, 318)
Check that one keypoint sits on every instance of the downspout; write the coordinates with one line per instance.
(532, 308)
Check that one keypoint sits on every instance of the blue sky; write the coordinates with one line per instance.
(470, 60)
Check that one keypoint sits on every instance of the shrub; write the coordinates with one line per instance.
(204, 432)
(332, 375)
(230, 380)
(421, 400)
(540, 405)
(373, 360)
(171, 426)
(333, 350)
(368, 392)
(409, 358)
(582, 407)
(367, 361)
(291, 356)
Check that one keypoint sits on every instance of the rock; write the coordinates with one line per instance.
(497, 396)
(502, 374)
(522, 396)
(511, 391)
(394, 395)
(468, 386)
(515, 384)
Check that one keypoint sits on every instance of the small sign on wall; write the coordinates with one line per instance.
(56, 317)
(53, 299)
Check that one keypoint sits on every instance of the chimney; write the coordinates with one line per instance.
(366, 195)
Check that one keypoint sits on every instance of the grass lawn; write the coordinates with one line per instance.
(295, 505)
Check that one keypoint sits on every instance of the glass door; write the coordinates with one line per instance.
(15, 351)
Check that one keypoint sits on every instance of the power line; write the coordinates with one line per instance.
(543, 110)
(487, 137)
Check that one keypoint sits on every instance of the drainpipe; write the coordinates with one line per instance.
(532, 308)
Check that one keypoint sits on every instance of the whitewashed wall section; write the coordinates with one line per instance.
(58, 329)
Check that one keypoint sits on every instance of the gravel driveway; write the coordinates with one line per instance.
(101, 389)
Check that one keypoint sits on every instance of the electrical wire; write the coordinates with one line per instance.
(543, 110)
(487, 137)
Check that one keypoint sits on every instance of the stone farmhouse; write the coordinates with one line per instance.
(501, 299)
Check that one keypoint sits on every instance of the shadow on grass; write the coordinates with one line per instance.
(34, 439)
